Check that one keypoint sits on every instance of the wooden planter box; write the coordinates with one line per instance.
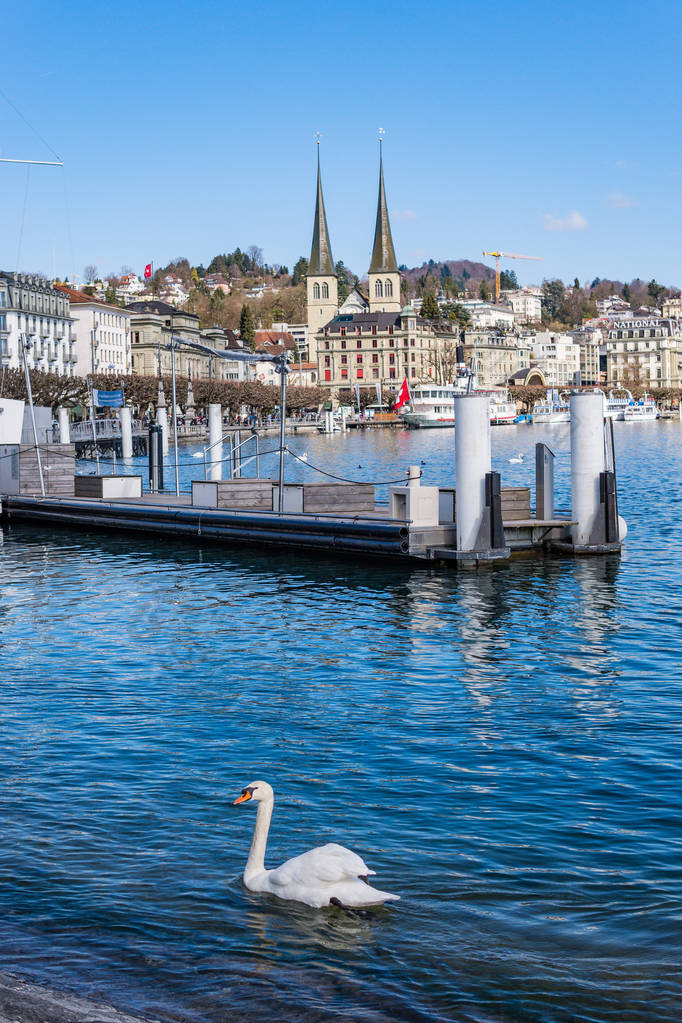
(108, 487)
(19, 469)
(243, 493)
(325, 498)
(515, 504)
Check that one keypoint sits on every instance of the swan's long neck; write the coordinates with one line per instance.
(256, 861)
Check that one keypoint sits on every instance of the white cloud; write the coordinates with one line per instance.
(573, 221)
(403, 215)
(620, 201)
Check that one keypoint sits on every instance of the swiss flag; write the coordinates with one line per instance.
(403, 396)
(148, 270)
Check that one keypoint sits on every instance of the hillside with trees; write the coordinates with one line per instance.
(255, 294)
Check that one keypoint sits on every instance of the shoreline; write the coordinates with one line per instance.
(24, 1002)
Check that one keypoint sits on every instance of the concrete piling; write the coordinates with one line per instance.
(126, 432)
(472, 462)
(215, 434)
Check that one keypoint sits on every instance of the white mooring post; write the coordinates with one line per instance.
(472, 462)
(588, 460)
(63, 420)
(126, 432)
(215, 433)
(414, 475)
(162, 422)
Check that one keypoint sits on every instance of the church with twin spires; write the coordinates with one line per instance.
(371, 339)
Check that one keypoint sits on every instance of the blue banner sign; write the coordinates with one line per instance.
(108, 399)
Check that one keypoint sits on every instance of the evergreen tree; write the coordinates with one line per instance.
(247, 331)
(430, 310)
(627, 294)
(300, 271)
(484, 291)
(508, 280)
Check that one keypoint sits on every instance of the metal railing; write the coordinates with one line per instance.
(235, 460)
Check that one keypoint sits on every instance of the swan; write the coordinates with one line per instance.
(330, 874)
(519, 458)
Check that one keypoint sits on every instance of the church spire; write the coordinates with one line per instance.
(383, 253)
(321, 259)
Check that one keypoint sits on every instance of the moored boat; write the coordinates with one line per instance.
(644, 410)
(552, 409)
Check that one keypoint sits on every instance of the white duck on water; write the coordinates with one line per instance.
(330, 874)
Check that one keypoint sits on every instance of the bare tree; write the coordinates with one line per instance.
(90, 273)
(255, 254)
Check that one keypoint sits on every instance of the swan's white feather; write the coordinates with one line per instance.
(320, 875)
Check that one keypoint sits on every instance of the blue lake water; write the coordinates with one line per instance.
(504, 748)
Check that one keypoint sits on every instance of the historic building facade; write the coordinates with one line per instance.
(371, 339)
(645, 351)
(101, 332)
(31, 307)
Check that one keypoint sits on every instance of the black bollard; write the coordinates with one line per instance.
(155, 447)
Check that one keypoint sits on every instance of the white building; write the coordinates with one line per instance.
(591, 341)
(645, 351)
(485, 315)
(558, 357)
(173, 291)
(31, 306)
(526, 304)
(130, 286)
(107, 327)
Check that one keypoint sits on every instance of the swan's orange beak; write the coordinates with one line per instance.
(243, 798)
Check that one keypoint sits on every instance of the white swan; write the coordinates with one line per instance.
(519, 458)
(328, 874)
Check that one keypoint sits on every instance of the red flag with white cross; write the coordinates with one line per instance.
(403, 396)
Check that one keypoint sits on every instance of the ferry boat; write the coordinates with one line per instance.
(641, 411)
(616, 403)
(433, 405)
(553, 409)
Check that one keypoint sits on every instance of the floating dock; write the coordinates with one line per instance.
(476, 522)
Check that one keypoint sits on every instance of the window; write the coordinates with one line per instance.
(326, 346)
(358, 358)
(359, 344)
(343, 332)
(344, 374)
(391, 358)
(360, 373)
(392, 343)
(388, 291)
(391, 374)
(327, 360)
(375, 373)
(375, 344)
(327, 374)
(378, 289)
(343, 344)
(316, 290)
(325, 290)
(374, 331)
(344, 360)
(375, 358)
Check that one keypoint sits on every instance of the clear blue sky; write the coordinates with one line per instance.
(546, 129)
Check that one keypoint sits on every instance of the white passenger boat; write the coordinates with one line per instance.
(552, 409)
(433, 405)
(640, 411)
(616, 403)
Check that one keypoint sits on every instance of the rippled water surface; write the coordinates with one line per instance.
(502, 747)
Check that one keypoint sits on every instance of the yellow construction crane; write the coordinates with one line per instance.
(506, 255)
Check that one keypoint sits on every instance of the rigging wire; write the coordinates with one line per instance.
(28, 123)
(23, 216)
